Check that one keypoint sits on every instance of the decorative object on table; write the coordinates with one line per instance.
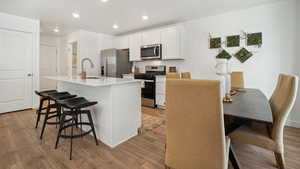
(254, 39)
(223, 55)
(233, 41)
(215, 43)
(172, 69)
(243, 55)
(223, 69)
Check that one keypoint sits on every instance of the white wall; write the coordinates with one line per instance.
(89, 45)
(295, 116)
(277, 23)
(16, 23)
(53, 41)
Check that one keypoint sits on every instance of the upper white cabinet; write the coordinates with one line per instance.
(151, 37)
(171, 43)
(135, 42)
(121, 42)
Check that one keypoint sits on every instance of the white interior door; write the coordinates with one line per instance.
(16, 54)
(48, 66)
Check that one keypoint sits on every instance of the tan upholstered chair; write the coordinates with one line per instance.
(237, 80)
(185, 75)
(173, 75)
(271, 137)
(195, 126)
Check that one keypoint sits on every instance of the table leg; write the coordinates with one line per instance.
(233, 159)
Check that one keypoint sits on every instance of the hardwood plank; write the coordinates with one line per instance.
(22, 149)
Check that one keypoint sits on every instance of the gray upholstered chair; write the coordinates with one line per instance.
(271, 137)
(195, 125)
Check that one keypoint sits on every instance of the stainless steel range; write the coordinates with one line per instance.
(148, 92)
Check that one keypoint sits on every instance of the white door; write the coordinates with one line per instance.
(16, 54)
(48, 66)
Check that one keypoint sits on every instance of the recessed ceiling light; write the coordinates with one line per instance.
(115, 26)
(145, 17)
(104, 1)
(56, 30)
(76, 15)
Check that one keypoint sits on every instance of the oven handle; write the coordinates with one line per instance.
(148, 81)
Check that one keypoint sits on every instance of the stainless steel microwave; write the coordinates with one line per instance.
(151, 52)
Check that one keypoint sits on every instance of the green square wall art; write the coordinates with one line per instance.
(254, 39)
(233, 41)
(215, 43)
(243, 55)
(223, 55)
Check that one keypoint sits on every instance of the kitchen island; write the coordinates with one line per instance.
(117, 116)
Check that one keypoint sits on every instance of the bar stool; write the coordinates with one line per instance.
(74, 108)
(44, 97)
(57, 113)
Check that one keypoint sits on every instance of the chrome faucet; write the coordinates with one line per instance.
(83, 71)
(82, 64)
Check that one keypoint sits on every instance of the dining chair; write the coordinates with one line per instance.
(271, 136)
(237, 80)
(195, 126)
(173, 75)
(185, 75)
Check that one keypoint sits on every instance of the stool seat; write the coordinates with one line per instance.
(45, 93)
(60, 96)
(76, 103)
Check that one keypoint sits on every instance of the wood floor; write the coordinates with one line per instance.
(20, 148)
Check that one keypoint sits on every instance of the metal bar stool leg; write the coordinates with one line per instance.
(92, 126)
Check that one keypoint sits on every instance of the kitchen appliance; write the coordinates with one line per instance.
(151, 52)
(115, 63)
(149, 92)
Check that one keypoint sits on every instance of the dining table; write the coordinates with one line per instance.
(248, 105)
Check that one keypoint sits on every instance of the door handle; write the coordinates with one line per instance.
(29, 74)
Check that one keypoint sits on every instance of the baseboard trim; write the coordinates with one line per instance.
(292, 123)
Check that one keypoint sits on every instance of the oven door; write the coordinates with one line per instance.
(151, 52)
(148, 93)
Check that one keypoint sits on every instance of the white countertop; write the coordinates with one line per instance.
(102, 81)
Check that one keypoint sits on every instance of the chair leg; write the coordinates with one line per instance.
(61, 125)
(73, 120)
(280, 160)
(38, 113)
(92, 126)
(45, 121)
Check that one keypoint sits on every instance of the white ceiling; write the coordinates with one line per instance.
(99, 17)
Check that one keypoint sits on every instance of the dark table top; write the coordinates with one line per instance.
(249, 104)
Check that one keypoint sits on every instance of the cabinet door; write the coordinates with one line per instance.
(135, 47)
(121, 42)
(170, 39)
(151, 37)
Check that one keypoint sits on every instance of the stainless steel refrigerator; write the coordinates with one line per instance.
(115, 62)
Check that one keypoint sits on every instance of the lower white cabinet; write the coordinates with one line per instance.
(160, 88)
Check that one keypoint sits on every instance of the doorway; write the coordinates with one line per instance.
(48, 66)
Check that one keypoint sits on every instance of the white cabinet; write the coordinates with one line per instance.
(135, 42)
(170, 39)
(160, 88)
(121, 42)
(151, 37)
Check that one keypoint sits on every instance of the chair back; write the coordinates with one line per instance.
(185, 75)
(173, 75)
(282, 102)
(195, 125)
(237, 80)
